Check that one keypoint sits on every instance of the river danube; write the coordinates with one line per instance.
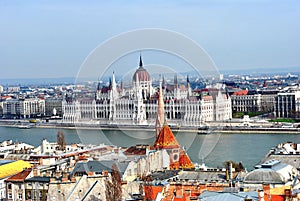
(213, 149)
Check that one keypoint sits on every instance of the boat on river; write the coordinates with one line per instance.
(27, 126)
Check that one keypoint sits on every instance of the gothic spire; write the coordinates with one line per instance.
(110, 83)
(141, 62)
(188, 85)
(113, 84)
(160, 111)
(99, 86)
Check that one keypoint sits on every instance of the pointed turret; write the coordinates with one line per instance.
(98, 92)
(160, 111)
(166, 139)
(141, 61)
(188, 86)
(114, 84)
(185, 161)
(187, 81)
(110, 83)
(113, 91)
(99, 86)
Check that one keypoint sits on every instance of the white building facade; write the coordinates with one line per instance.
(23, 108)
(287, 103)
(138, 105)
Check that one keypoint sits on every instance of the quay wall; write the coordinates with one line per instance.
(221, 128)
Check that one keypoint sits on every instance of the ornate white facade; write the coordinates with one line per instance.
(138, 105)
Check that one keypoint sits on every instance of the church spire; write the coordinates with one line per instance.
(188, 85)
(160, 111)
(141, 62)
(99, 86)
(187, 80)
(114, 84)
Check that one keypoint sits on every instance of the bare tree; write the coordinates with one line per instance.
(114, 187)
(239, 167)
(61, 140)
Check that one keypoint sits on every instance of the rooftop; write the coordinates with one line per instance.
(13, 168)
(21, 176)
(98, 166)
(218, 196)
(201, 176)
(271, 172)
(39, 179)
(166, 139)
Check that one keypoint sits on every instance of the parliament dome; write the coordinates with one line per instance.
(141, 73)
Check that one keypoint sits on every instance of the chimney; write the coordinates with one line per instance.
(229, 172)
(105, 173)
(90, 173)
(73, 179)
(36, 172)
(64, 179)
(65, 175)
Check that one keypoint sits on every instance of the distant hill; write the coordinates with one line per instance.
(155, 76)
(36, 81)
(262, 71)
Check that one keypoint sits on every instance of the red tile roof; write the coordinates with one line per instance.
(185, 161)
(5, 97)
(241, 93)
(174, 165)
(13, 168)
(134, 150)
(152, 191)
(166, 139)
(20, 176)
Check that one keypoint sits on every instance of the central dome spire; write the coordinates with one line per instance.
(141, 62)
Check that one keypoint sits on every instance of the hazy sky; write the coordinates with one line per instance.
(52, 38)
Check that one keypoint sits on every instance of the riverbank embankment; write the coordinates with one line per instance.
(220, 128)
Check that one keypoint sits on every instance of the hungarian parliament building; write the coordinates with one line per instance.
(137, 105)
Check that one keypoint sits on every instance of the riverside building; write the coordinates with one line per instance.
(287, 103)
(253, 101)
(138, 105)
(23, 108)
